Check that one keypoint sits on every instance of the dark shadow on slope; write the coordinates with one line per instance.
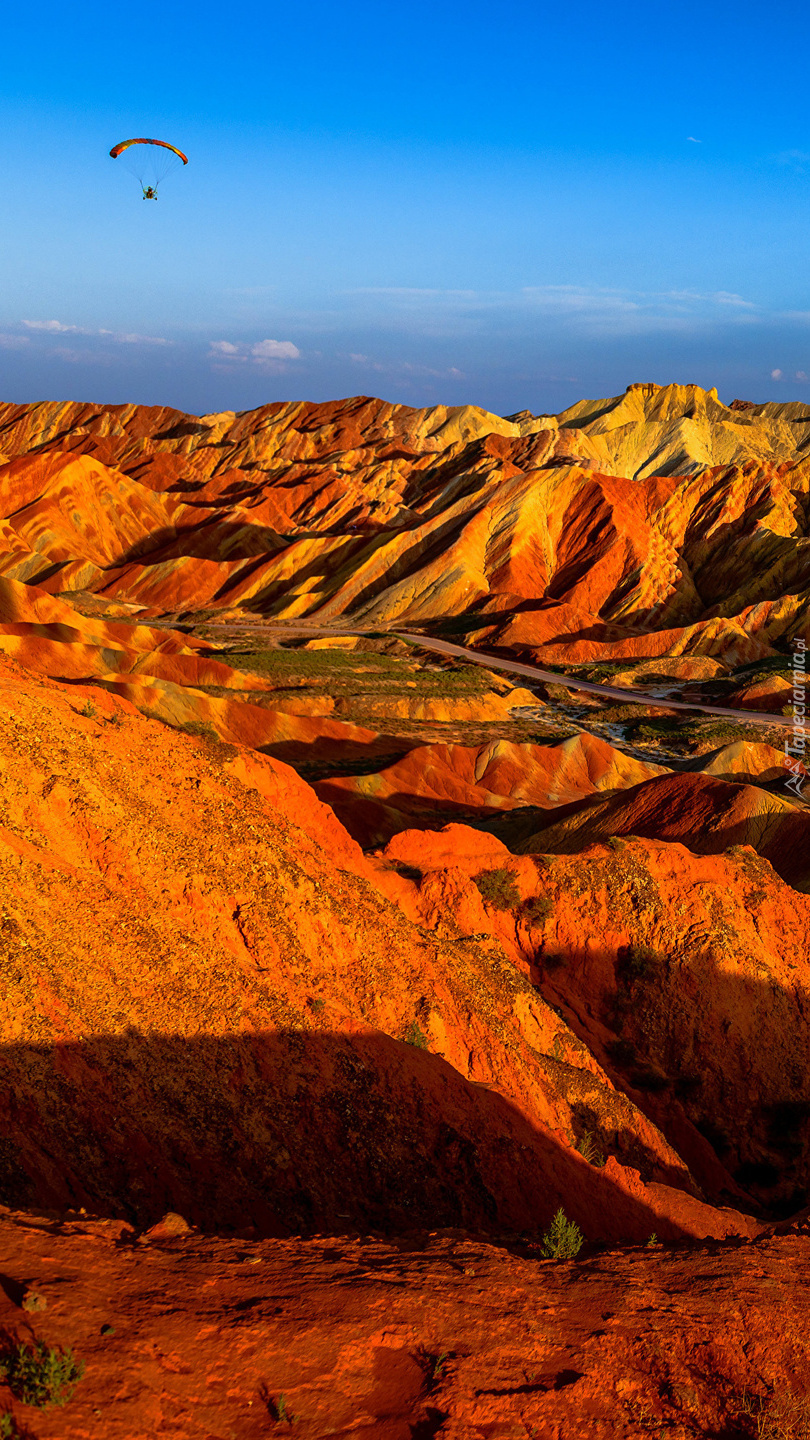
(326, 757)
(291, 1131)
(370, 821)
(715, 1054)
(222, 541)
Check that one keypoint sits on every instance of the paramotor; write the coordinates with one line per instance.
(150, 161)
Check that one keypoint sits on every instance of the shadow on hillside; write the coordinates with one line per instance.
(372, 821)
(333, 755)
(713, 1049)
(210, 539)
(291, 1131)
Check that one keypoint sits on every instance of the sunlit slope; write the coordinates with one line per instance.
(214, 1003)
(657, 523)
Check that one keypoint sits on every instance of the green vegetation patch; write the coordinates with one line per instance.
(639, 963)
(297, 664)
(415, 1035)
(770, 665)
(498, 888)
(563, 1240)
(40, 1374)
(364, 672)
(537, 908)
(590, 1148)
(662, 728)
(461, 624)
(691, 733)
(603, 670)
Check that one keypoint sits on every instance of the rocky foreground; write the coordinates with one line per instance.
(444, 1334)
(367, 964)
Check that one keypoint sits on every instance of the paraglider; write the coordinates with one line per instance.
(150, 161)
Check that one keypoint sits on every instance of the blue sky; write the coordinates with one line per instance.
(514, 205)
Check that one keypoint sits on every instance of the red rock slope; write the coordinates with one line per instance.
(658, 523)
(683, 974)
(212, 1006)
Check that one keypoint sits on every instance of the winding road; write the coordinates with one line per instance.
(532, 672)
(550, 677)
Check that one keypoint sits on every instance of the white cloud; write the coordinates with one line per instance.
(776, 374)
(268, 354)
(727, 297)
(801, 375)
(275, 350)
(55, 327)
(136, 339)
(405, 368)
(693, 140)
(578, 298)
(595, 311)
(72, 356)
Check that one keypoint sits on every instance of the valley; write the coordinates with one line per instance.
(404, 838)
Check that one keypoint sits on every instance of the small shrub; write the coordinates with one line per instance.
(279, 1410)
(498, 888)
(434, 1365)
(199, 730)
(8, 1430)
(783, 1416)
(88, 710)
(652, 1242)
(317, 1005)
(639, 962)
(614, 842)
(590, 1149)
(563, 1240)
(41, 1375)
(415, 1035)
(537, 909)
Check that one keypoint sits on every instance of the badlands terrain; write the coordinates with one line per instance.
(397, 848)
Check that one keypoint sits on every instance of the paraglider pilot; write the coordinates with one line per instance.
(150, 162)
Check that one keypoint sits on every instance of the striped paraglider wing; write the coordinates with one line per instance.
(150, 161)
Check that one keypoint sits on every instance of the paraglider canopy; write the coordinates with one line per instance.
(150, 161)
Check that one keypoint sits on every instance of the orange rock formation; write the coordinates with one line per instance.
(310, 1019)
(208, 967)
(660, 523)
